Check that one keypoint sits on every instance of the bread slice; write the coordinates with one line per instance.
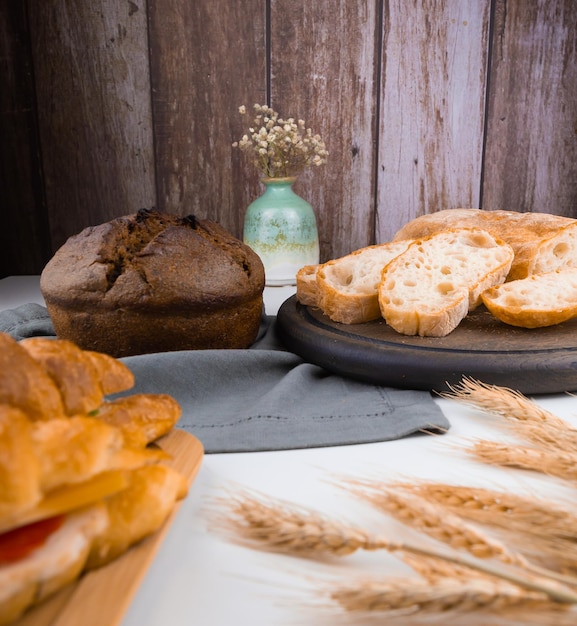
(347, 287)
(541, 241)
(430, 288)
(307, 292)
(536, 301)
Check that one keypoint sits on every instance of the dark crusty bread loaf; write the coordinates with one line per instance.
(154, 282)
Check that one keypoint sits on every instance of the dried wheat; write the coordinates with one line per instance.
(501, 401)
(528, 419)
(521, 519)
(558, 464)
(413, 595)
(436, 522)
(277, 526)
(293, 530)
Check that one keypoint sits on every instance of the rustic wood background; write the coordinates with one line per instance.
(112, 105)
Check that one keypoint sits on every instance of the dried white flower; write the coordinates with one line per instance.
(281, 148)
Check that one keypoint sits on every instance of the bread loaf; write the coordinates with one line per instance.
(541, 241)
(428, 289)
(347, 287)
(536, 301)
(153, 282)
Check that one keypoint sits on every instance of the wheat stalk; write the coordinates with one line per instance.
(501, 401)
(412, 595)
(279, 527)
(440, 524)
(293, 530)
(558, 464)
(436, 522)
(530, 421)
(521, 518)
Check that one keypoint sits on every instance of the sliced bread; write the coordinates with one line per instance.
(541, 241)
(347, 287)
(536, 301)
(307, 291)
(428, 289)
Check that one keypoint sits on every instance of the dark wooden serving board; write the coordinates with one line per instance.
(532, 361)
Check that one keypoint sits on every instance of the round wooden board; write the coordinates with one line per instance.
(532, 361)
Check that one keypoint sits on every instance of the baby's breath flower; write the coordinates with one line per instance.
(280, 147)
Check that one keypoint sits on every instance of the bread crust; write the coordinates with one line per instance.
(536, 301)
(428, 289)
(153, 282)
(307, 291)
(347, 287)
(526, 233)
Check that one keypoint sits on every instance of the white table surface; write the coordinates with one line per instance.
(201, 578)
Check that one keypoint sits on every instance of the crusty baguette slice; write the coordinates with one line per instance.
(307, 292)
(430, 288)
(541, 241)
(347, 287)
(536, 301)
(558, 251)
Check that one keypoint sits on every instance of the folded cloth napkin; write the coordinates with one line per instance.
(266, 398)
(27, 320)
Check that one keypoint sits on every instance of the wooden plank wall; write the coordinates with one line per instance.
(110, 106)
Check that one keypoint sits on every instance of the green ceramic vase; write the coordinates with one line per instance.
(281, 228)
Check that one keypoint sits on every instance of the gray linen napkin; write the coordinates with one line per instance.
(27, 320)
(266, 398)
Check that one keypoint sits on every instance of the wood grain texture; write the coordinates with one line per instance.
(119, 105)
(434, 67)
(22, 206)
(531, 154)
(92, 81)
(323, 69)
(208, 57)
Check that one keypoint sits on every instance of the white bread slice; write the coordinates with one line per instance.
(555, 252)
(536, 301)
(347, 287)
(430, 288)
(307, 292)
(541, 241)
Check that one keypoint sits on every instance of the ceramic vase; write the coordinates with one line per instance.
(281, 228)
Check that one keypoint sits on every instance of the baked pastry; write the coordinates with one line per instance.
(76, 489)
(428, 289)
(542, 242)
(154, 282)
(348, 286)
(536, 301)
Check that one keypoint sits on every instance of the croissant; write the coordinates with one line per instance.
(79, 481)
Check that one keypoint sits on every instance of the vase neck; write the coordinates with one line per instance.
(279, 182)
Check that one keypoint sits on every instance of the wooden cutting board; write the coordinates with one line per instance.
(101, 597)
(532, 361)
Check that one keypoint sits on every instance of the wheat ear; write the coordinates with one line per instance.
(501, 401)
(279, 527)
(435, 521)
(532, 422)
(528, 419)
(412, 595)
(521, 518)
(558, 464)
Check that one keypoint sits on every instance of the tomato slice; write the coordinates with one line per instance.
(18, 543)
